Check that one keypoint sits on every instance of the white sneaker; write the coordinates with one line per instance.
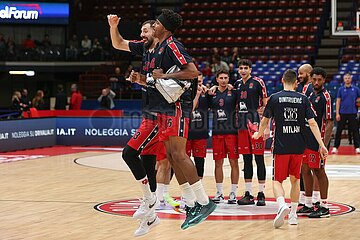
(334, 151)
(357, 150)
(293, 219)
(232, 198)
(146, 207)
(219, 198)
(279, 219)
(146, 224)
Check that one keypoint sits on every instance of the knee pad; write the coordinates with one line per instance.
(199, 164)
(131, 158)
(248, 167)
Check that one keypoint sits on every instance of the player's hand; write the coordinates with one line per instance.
(113, 20)
(134, 77)
(158, 73)
(212, 90)
(230, 87)
(267, 133)
(256, 135)
(323, 152)
(338, 117)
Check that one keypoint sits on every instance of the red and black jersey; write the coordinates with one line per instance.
(289, 109)
(223, 106)
(249, 98)
(321, 103)
(199, 120)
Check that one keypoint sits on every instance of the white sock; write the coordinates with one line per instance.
(201, 196)
(280, 201)
(261, 187)
(188, 194)
(166, 189)
(248, 187)
(308, 201)
(294, 206)
(145, 187)
(315, 196)
(160, 191)
(234, 188)
(302, 197)
(324, 203)
(219, 188)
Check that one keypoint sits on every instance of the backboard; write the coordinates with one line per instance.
(339, 28)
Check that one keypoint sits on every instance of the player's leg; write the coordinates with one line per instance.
(248, 198)
(199, 153)
(281, 172)
(294, 172)
(231, 145)
(308, 182)
(339, 128)
(261, 174)
(353, 127)
(316, 191)
(149, 162)
(163, 169)
(219, 153)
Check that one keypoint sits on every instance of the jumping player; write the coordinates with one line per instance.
(289, 110)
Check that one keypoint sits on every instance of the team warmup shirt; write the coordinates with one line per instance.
(348, 96)
(199, 120)
(321, 103)
(223, 106)
(306, 88)
(250, 97)
(169, 53)
(148, 64)
(289, 110)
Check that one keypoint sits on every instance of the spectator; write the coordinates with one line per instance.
(85, 46)
(96, 50)
(72, 51)
(11, 50)
(46, 42)
(107, 48)
(76, 98)
(233, 74)
(106, 99)
(346, 111)
(38, 100)
(219, 65)
(16, 105)
(61, 98)
(29, 44)
(235, 55)
(207, 71)
(117, 81)
(25, 101)
(225, 56)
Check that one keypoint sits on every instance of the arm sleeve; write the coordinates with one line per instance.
(137, 47)
(269, 109)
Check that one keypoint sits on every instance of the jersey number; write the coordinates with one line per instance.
(243, 94)
(136, 135)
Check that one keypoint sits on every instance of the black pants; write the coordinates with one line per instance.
(353, 128)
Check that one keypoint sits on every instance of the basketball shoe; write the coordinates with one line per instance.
(146, 224)
(201, 212)
(279, 219)
(247, 199)
(171, 201)
(232, 198)
(305, 211)
(321, 212)
(260, 199)
(147, 205)
(334, 150)
(219, 198)
(189, 211)
(293, 219)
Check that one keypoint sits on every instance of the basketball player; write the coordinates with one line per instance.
(251, 101)
(289, 110)
(199, 129)
(173, 118)
(224, 136)
(305, 87)
(144, 140)
(321, 101)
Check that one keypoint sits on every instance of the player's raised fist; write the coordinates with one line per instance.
(113, 20)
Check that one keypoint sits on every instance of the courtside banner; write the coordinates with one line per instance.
(14, 12)
(96, 131)
(27, 133)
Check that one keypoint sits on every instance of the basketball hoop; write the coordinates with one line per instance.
(357, 31)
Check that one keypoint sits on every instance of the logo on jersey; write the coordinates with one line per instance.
(223, 212)
(221, 102)
(196, 116)
(242, 107)
(317, 99)
(290, 114)
(251, 85)
(221, 115)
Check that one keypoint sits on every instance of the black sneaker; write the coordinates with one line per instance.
(321, 212)
(305, 211)
(189, 216)
(316, 205)
(260, 199)
(301, 205)
(247, 199)
(201, 212)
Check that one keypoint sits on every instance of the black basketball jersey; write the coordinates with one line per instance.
(223, 106)
(289, 109)
(199, 120)
(321, 103)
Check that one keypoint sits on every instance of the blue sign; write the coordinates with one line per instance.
(34, 13)
(96, 131)
(27, 133)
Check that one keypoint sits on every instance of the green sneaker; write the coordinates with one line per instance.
(201, 212)
(189, 216)
(171, 201)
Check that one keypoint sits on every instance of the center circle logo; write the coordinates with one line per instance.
(224, 211)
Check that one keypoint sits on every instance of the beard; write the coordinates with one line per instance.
(148, 44)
